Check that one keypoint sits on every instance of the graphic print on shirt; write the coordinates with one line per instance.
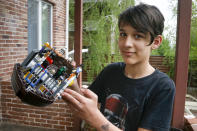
(116, 108)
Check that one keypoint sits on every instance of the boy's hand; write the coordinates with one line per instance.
(85, 106)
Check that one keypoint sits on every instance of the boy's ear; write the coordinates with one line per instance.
(156, 42)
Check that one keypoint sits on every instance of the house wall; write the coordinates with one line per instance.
(13, 35)
(13, 49)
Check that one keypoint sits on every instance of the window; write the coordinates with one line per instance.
(39, 23)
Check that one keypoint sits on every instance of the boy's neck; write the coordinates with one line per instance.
(139, 70)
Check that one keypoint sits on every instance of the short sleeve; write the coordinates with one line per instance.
(98, 86)
(98, 83)
(158, 110)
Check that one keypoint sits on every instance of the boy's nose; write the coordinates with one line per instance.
(129, 42)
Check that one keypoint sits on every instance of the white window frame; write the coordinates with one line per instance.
(40, 23)
(39, 41)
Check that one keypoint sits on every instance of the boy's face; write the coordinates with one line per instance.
(133, 45)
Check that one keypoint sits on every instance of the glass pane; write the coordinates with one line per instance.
(32, 25)
(46, 22)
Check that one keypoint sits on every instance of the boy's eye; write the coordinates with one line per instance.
(137, 36)
(123, 34)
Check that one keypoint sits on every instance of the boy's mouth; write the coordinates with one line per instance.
(128, 53)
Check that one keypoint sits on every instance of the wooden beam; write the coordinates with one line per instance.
(78, 49)
(78, 35)
(181, 61)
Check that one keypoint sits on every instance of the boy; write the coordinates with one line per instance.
(133, 95)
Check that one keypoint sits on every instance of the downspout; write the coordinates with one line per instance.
(67, 30)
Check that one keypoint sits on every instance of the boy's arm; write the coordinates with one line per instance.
(102, 124)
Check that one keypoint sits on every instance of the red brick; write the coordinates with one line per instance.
(40, 112)
(3, 83)
(15, 113)
(59, 127)
(66, 123)
(7, 91)
(35, 124)
(40, 120)
(16, 101)
(18, 109)
(52, 122)
(69, 128)
(35, 115)
(15, 105)
(69, 119)
(2, 41)
(26, 122)
(46, 125)
(59, 118)
(46, 116)
(4, 49)
(14, 117)
(5, 108)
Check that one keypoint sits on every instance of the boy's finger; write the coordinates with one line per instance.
(70, 99)
(76, 95)
(88, 93)
(73, 63)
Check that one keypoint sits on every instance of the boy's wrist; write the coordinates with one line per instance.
(102, 124)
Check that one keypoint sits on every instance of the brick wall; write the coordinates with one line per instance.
(13, 49)
(13, 35)
(59, 14)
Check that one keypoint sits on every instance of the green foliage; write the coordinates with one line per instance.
(101, 33)
(193, 44)
(167, 50)
(193, 47)
(164, 49)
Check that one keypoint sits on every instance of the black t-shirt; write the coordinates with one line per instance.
(135, 103)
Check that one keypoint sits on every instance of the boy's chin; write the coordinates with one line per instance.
(130, 62)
